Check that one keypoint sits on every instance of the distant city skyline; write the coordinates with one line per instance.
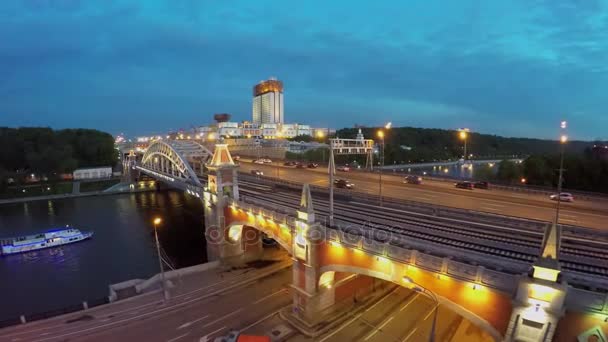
(514, 68)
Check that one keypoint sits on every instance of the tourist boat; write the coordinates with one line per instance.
(51, 238)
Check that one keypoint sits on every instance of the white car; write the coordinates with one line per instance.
(564, 197)
(267, 161)
(257, 172)
(343, 168)
(258, 161)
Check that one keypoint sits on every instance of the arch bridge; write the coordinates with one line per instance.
(178, 162)
(509, 305)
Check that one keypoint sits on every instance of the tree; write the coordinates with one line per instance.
(508, 171)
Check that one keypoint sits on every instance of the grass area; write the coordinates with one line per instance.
(37, 190)
(98, 185)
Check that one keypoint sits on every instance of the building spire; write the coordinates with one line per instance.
(547, 266)
(306, 200)
(551, 242)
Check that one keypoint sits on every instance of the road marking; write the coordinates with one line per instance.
(410, 334)
(380, 301)
(270, 295)
(379, 328)
(342, 327)
(489, 208)
(409, 302)
(206, 337)
(223, 317)
(567, 220)
(187, 324)
(566, 215)
(494, 205)
(178, 337)
(435, 307)
(260, 320)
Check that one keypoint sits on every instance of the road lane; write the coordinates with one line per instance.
(593, 214)
(210, 317)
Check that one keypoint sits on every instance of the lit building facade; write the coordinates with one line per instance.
(268, 102)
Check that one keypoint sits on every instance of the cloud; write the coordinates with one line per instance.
(519, 64)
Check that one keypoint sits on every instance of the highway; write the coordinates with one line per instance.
(404, 315)
(207, 312)
(586, 213)
(510, 243)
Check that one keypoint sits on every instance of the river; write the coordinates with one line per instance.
(122, 247)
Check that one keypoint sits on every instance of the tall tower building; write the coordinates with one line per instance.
(268, 102)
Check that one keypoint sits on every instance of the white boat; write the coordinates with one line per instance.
(51, 238)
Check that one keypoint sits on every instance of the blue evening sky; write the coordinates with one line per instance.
(513, 67)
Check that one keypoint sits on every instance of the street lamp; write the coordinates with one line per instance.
(421, 289)
(156, 222)
(463, 134)
(381, 136)
(563, 140)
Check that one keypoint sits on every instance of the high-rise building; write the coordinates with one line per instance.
(268, 102)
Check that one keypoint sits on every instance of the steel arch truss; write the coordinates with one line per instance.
(176, 159)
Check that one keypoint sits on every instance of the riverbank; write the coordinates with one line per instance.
(120, 188)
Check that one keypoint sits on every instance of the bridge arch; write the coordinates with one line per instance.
(237, 233)
(328, 272)
(177, 158)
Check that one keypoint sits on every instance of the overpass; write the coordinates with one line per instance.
(515, 287)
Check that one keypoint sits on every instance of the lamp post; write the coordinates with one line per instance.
(421, 289)
(156, 222)
(463, 134)
(562, 142)
(381, 136)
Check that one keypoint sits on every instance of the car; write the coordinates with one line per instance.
(300, 166)
(343, 184)
(412, 180)
(482, 185)
(465, 185)
(343, 168)
(313, 165)
(564, 197)
(257, 172)
(289, 163)
(266, 161)
(258, 161)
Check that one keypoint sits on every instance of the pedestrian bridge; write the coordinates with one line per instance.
(508, 306)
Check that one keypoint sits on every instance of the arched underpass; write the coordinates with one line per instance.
(387, 311)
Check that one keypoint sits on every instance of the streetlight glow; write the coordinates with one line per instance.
(463, 135)
(381, 134)
(157, 220)
(563, 139)
(564, 124)
(320, 134)
(388, 125)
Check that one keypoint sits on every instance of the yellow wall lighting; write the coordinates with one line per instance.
(545, 273)
(302, 215)
(335, 243)
(541, 292)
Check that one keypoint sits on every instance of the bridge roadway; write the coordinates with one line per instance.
(579, 255)
(586, 213)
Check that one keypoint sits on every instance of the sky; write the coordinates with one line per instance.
(514, 68)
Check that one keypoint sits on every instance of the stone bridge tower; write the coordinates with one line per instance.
(222, 185)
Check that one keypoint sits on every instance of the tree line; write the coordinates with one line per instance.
(413, 145)
(581, 172)
(46, 151)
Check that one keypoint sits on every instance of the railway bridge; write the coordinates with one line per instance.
(508, 302)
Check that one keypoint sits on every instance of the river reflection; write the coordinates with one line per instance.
(122, 247)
